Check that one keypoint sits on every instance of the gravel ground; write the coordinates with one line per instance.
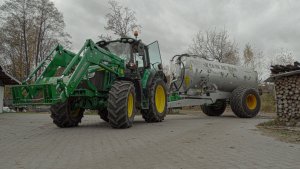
(31, 141)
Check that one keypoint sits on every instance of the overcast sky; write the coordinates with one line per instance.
(268, 25)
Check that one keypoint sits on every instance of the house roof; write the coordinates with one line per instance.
(272, 78)
(279, 71)
(7, 79)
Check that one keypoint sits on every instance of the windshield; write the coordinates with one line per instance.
(120, 49)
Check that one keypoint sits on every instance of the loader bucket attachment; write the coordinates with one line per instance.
(34, 94)
(43, 90)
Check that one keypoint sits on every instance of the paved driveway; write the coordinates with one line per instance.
(181, 141)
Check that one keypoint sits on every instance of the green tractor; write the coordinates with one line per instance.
(117, 78)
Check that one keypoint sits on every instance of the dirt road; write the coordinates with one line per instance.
(31, 141)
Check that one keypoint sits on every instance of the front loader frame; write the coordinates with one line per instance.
(54, 86)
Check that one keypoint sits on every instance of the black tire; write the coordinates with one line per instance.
(245, 102)
(64, 115)
(216, 109)
(156, 113)
(103, 113)
(120, 113)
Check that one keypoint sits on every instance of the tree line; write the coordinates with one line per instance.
(29, 29)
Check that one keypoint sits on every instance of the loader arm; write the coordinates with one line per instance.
(62, 71)
(92, 55)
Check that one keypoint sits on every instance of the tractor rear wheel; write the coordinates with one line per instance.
(103, 113)
(245, 102)
(65, 115)
(216, 109)
(158, 102)
(121, 104)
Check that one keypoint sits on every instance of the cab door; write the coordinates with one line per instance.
(154, 57)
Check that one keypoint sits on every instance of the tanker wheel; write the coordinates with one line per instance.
(158, 102)
(103, 113)
(245, 102)
(215, 109)
(121, 104)
(65, 115)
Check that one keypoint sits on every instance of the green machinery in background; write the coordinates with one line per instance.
(117, 78)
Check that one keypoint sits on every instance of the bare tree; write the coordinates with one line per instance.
(16, 21)
(120, 20)
(255, 59)
(283, 57)
(215, 45)
(248, 56)
(259, 65)
(49, 27)
(29, 29)
(106, 37)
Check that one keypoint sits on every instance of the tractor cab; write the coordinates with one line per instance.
(143, 68)
(136, 54)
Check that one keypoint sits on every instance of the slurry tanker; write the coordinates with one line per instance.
(196, 81)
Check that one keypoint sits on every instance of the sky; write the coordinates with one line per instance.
(268, 25)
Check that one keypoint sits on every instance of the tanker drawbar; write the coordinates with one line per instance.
(196, 81)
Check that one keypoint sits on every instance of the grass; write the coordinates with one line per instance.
(272, 123)
(276, 129)
(268, 104)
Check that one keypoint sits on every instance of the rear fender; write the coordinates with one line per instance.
(148, 77)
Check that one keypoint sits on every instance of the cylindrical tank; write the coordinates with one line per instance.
(196, 75)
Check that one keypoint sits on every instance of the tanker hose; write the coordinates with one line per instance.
(180, 63)
(183, 76)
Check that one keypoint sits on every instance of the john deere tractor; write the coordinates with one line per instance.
(117, 78)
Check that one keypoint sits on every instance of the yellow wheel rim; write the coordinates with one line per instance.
(160, 99)
(130, 105)
(251, 101)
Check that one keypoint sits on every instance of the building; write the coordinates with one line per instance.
(5, 79)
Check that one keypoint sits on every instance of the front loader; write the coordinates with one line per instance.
(117, 78)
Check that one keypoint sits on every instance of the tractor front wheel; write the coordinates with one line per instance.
(121, 104)
(65, 115)
(158, 102)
